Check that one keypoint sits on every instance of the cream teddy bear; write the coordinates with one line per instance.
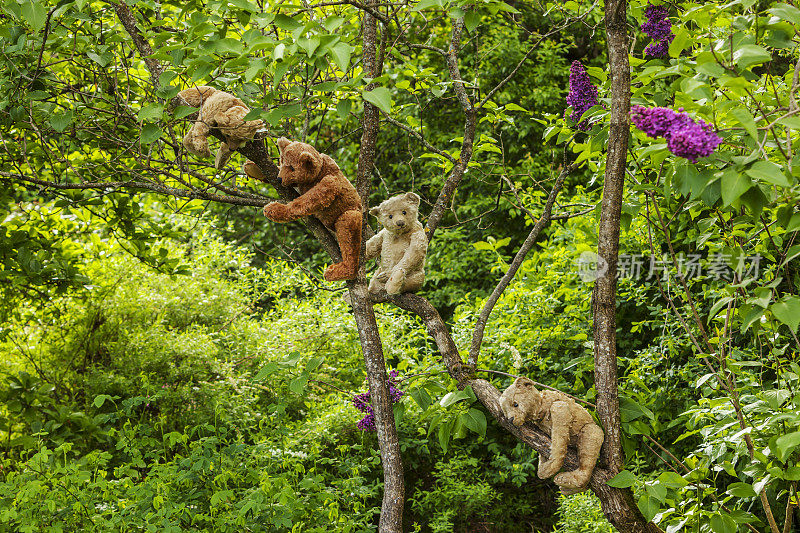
(223, 111)
(401, 245)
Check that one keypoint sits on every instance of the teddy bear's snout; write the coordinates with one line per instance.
(401, 223)
(511, 419)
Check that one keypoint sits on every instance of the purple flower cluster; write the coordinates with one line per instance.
(363, 403)
(685, 137)
(659, 28)
(582, 94)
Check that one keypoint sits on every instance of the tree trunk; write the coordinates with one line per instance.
(618, 504)
(391, 519)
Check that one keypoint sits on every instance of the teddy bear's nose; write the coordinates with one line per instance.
(400, 223)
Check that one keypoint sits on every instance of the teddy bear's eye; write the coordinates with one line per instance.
(390, 217)
(516, 404)
(404, 212)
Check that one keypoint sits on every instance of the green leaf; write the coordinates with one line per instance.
(452, 397)
(61, 121)
(649, 506)
(285, 23)
(677, 45)
(745, 118)
(741, 490)
(788, 311)
(475, 420)
(343, 108)
(444, 434)
(786, 12)
(425, 4)
(421, 396)
(751, 54)
(313, 363)
(298, 384)
(471, 19)
(150, 133)
(266, 370)
(151, 112)
(769, 171)
(341, 53)
(672, 480)
(723, 523)
(622, 480)
(34, 14)
(734, 184)
(381, 97)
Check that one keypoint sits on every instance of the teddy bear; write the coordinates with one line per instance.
(565, 421)
(325, 193)
(401, 245)
(223, 111)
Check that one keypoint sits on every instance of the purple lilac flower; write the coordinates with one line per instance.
(363, 403)
(582, 94)
(659, 28)
(685, 137)
(659, 49)
(693, 140)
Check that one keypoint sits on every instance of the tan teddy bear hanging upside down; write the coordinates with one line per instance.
(223, 111)
(325, 193)
(565, 421)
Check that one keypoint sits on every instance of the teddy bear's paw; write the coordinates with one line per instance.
(575, 480)
(277, 212)
(546, 470)
(339, 272)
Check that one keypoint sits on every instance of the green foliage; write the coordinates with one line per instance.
(581, 513)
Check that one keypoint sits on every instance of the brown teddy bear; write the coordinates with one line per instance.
(324, 193)
(221, 110)
(565, 421)
(401, 245)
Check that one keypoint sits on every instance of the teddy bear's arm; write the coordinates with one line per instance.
(414, 256)
(374, 246)
(315, 199)
(561, 417)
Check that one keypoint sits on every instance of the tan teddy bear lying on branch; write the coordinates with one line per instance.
(222, 111)
(565, 421)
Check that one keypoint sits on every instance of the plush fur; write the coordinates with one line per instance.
(401, 246)
(220, 110)
(324, 193)
(565, 421)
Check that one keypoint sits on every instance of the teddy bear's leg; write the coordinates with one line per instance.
(348, 235)
(559, 438)
(223, 154)
(378, 282)
(396, 281)
(414, 281)
(590, 440)
(196, 141)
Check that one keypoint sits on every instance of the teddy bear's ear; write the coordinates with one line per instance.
(283, 142)
(523, 383)
(412, 197)
(375, 211)
(311, 163)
